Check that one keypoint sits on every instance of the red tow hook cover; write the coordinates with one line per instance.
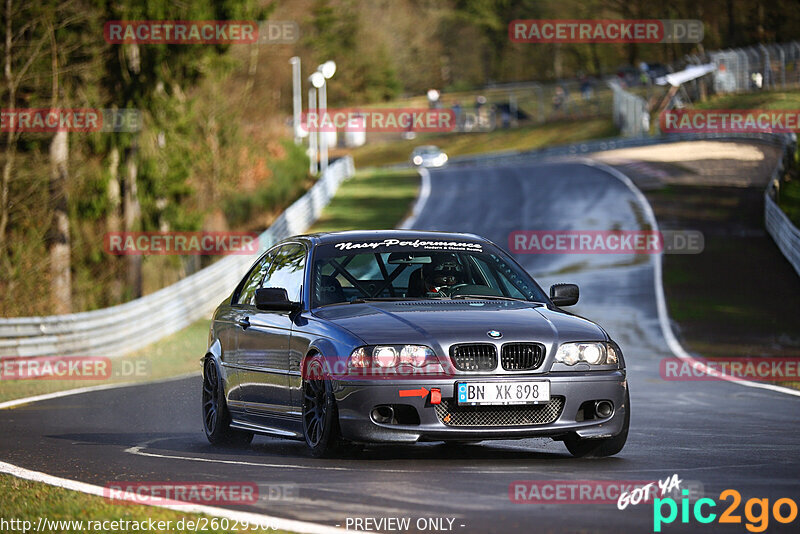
(436, 396)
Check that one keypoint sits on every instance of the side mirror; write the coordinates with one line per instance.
(564, 294)
(275, 299)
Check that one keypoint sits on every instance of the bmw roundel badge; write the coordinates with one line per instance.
(494, 334)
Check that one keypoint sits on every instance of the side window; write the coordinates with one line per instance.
(246, 296)
(498, 280)
(287, 270)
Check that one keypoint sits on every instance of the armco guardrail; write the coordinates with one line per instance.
(785, 234)
(120, 329)
(779, 226)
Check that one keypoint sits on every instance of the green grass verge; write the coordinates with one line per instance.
(462, 144)
(24, 500)
(376, 199)
(174, 355)
(789, 100)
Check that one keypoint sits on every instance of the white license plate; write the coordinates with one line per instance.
(518, 392)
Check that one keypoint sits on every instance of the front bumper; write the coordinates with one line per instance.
(357, 398)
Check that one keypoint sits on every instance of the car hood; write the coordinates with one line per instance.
(444, 322)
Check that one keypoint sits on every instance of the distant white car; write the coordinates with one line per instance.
(428, 156)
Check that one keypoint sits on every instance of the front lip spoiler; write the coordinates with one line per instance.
(356, 399)
(449, 379)
(370, 432)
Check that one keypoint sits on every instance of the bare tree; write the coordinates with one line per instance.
(132, 216)
(59, 235)
(132, 211)
(12, 81)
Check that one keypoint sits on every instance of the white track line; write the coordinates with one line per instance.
(275, 523)
(137, 450)
(422, 199)
(234, 515)
(68, 392)
(661, 302)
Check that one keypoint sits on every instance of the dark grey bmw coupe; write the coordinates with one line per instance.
(405, 336)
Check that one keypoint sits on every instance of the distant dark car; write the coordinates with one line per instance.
(400, 336)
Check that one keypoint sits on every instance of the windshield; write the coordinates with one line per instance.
(397, 270)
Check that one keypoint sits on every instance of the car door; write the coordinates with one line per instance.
(264, 341)
(228, 326)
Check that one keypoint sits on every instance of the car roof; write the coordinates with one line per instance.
(324, 238)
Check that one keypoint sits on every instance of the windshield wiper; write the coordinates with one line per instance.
(491, 297)
(362, 300)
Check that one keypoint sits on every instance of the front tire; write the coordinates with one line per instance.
(601, 448)
(216, 417)
(320, 417)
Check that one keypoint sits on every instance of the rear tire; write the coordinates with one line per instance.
(216, 417)
(601, 448)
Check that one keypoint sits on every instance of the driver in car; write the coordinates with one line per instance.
(442, 274)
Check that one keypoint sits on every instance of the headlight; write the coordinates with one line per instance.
(598, 353)
(611, 355)
(385, 356)
(391, 356)
(417, 160)
(359, 358)
(592, 354)
(568, 354)
(416, 355)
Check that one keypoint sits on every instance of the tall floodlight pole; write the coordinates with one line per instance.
(297, 98)
(315, 132)
(327, 69)
(323, 135)
(312, 131)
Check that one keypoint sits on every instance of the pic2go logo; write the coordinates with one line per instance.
(757, 521)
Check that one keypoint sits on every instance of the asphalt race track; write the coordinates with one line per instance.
(718, 434)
